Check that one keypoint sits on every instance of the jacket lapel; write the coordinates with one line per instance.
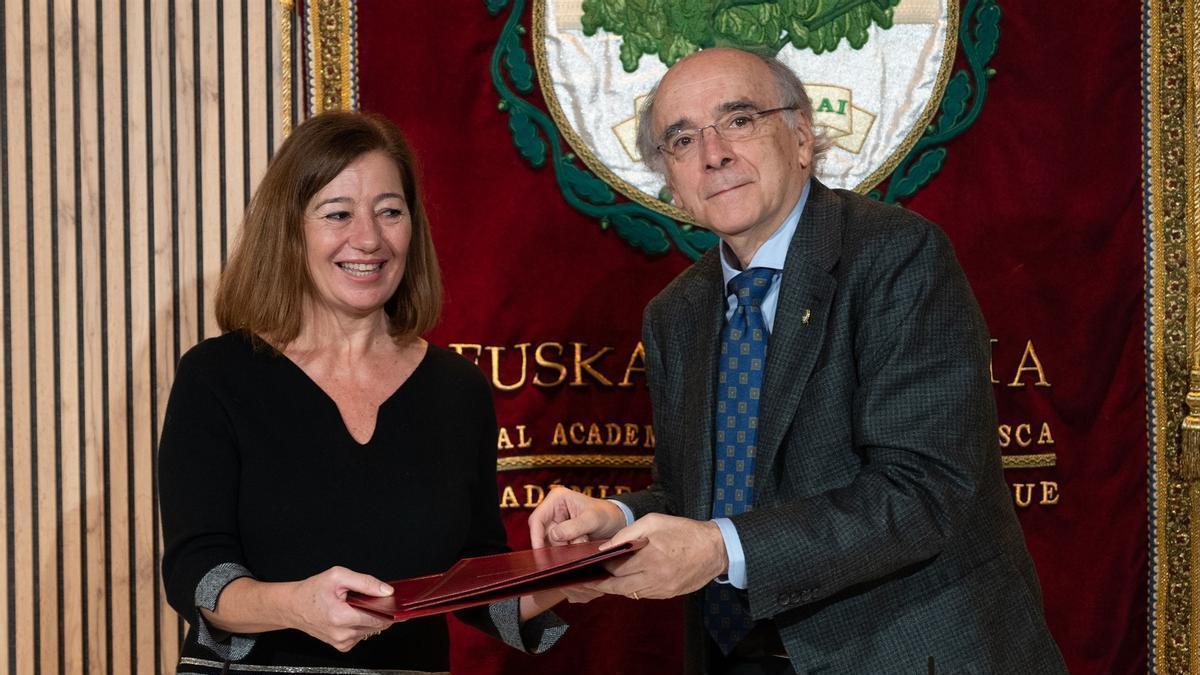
(805, 295)
(701, 344)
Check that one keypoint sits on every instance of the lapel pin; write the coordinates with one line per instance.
(805, 316)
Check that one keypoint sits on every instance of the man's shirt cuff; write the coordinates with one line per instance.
(628, 513)
(736, 575)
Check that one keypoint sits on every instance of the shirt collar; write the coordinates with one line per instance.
(773, 251)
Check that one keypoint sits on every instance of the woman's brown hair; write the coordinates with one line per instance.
(266, 281)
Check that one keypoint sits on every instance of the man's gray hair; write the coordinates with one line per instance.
(791, 94)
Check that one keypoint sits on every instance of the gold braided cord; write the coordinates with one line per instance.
(594, 461)
(523, 462)
(286, 7)
(1039, 461)
(541, 62)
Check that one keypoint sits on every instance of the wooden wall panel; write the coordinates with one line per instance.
(131, 135)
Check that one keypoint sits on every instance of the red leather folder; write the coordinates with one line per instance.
(479, 581)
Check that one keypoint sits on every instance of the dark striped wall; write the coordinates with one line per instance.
(131, 135)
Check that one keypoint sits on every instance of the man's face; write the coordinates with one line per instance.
(744, 189)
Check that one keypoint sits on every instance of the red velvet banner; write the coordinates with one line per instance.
(1041, 197)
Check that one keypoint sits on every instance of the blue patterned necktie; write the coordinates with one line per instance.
(739, 385)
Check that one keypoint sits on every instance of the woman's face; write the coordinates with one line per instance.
(356, 231)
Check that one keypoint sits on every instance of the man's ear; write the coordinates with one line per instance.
(807, 142)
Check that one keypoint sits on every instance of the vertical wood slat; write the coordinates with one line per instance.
(158, 253)
(41, 282)
(17, 303)
(210, 225)
(136, 344)
(58, 36)
(113, 105)
(125, 127)
(71, 634)
(93, 610)
(7, 601)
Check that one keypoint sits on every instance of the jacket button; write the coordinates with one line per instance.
(784, 599)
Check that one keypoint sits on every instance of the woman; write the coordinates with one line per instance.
(320, 445)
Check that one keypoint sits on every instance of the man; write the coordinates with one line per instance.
(840, 505)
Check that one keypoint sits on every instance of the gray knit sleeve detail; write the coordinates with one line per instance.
(534, 636)
(227, 646)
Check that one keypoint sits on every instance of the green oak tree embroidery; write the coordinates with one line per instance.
(672, 29)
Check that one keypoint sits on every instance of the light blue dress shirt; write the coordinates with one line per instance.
(771, 254)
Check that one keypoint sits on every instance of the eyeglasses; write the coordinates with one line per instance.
(738, 125)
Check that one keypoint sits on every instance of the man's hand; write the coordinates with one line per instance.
(569, 517)
(681, 555)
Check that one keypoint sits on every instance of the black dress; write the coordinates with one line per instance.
(259, 476)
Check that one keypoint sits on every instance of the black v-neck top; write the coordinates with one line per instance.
(257, 468)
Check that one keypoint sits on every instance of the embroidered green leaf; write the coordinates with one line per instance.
(987, 32)
(518, 64)
(828, 21)
(585, 185)
(922, 170)
(525, 136)
(630, 52)
(797, 32)
(641, 233)
(672, 29)
(749, 26)
(953, 102)
(494, 6)
(674, 49)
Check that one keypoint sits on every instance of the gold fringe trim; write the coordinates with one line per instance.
(1189, 452)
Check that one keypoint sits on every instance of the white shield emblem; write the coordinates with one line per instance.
(873, 93)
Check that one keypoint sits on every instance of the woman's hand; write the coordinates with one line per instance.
(319, 608)
(536, 603)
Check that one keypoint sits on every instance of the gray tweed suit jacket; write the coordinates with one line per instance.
(882, 537)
